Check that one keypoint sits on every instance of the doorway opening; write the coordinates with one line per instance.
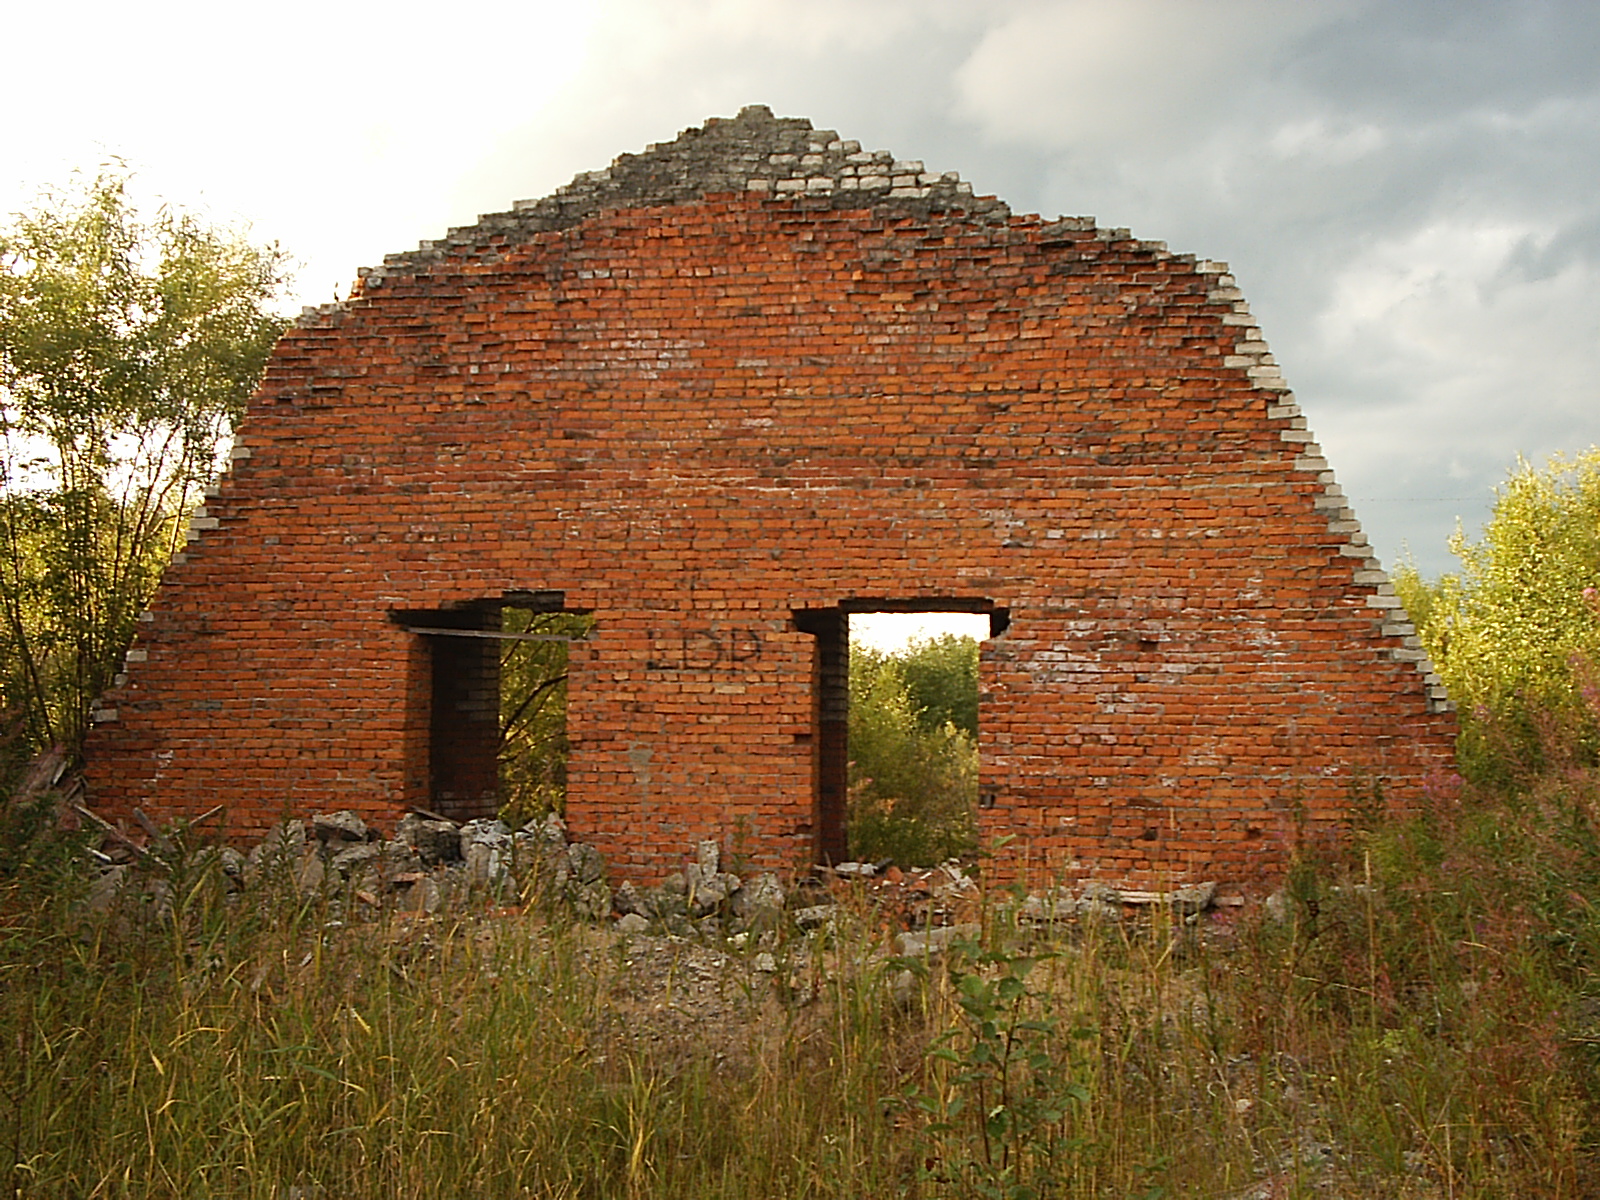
(895, 719)
(497, 724)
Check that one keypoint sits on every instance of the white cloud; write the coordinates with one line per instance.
(1318, 139)
(338, 128)
(654, 69)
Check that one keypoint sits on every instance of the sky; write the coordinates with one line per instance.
(1408, 191)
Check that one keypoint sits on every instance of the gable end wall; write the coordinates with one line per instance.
(699, 408)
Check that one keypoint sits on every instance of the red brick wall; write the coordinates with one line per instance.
(695, 421)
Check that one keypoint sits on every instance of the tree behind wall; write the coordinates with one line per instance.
(128, 348)
(1516, 632)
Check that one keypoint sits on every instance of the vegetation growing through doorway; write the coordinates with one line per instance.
(914, 751)
(533, 711)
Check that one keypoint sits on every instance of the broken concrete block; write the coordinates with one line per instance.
(356, 859)
(932, 942)
(486, 849)
(1193, 898)
(342, 826)
(583, 863)
(435, 841)
(759, 899)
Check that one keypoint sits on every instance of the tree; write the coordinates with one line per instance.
(128, 347)
(1516, 633)
(941, 678)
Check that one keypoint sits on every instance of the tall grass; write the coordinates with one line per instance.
(228, 1051)
(1416, 1016)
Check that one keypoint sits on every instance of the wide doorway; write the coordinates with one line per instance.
(896, 712)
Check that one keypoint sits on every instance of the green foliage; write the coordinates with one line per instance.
(1516, 633)
(941, 678)
(193, 1041)
(1001, 1095)
(35, 851)
(914, 751)
(533, 712)
(127, 349)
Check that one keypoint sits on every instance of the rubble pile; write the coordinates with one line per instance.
(433, 864)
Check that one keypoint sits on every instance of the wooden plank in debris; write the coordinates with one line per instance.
(43, 773)
(110, 830)
(154, 830)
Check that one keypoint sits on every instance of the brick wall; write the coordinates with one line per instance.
(721, 395)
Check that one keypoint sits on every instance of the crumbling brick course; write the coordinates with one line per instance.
(755, 373)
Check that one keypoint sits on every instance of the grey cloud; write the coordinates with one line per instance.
(1575, 243)
(1442, 59)
(1151, 72)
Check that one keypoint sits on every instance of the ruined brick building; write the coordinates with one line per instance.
(721, 396)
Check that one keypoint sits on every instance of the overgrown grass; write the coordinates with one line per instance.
(1418, 1017)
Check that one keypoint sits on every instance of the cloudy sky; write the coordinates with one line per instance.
(1408, 191)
